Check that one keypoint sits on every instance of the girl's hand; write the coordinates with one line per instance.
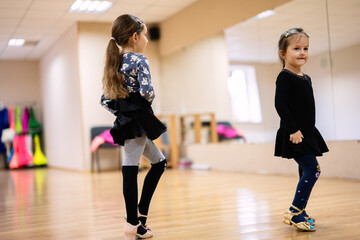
(297, 137)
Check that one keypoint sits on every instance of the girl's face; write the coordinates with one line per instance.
(140, 41)
(297, 53)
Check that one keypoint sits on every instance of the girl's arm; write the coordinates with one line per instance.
(282, 95)
(144, 78)
(105, 103)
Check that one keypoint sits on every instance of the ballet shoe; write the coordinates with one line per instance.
(144, 216)
(131, 232)
(141, 215)
(147, 234)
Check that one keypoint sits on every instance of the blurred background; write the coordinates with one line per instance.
(206, 56)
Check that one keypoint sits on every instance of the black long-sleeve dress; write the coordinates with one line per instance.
(295, 104)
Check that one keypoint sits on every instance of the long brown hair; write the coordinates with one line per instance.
(284, 39)
(113, 81)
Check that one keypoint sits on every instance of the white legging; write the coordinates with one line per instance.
(135, 148)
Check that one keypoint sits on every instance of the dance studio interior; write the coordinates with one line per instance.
(214, 66)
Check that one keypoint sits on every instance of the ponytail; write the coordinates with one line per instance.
(113, 80)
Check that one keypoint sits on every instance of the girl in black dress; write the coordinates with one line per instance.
(297, 136)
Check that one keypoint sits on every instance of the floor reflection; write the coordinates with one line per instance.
(299, 236)
(27, 186)
(253, 213)
(22, 200)
(49, 204)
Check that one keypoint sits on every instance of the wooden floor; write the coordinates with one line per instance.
(53, 204)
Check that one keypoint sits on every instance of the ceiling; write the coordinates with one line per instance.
(256, 40)
(253, 40)
(46, 20)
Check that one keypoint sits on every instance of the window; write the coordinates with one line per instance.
(244, 94)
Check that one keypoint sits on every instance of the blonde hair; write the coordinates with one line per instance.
(284, 39)
(113, 81)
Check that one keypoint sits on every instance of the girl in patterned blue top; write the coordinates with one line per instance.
(128, 94)
(135, 68)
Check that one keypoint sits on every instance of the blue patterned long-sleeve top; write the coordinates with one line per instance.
(137, 78)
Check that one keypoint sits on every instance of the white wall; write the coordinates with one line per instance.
(195, 79)
(340, 162)
(62, 103)
(20, 85)
(93, 39)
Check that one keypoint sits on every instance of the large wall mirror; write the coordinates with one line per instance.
(334, 30)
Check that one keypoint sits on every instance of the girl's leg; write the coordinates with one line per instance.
(311, 173)
(133, 149)
(301, 172)
(158, 165)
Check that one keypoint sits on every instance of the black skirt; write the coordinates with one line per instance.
(134, 118)
(312, 142)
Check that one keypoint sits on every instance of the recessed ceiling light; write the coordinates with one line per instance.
(90, 6)
(16, 42)
(22, 43)
(265, 14)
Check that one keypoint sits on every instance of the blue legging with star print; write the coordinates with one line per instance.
(309, 171)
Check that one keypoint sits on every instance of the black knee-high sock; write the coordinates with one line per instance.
(130, 191)
(150, 183)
